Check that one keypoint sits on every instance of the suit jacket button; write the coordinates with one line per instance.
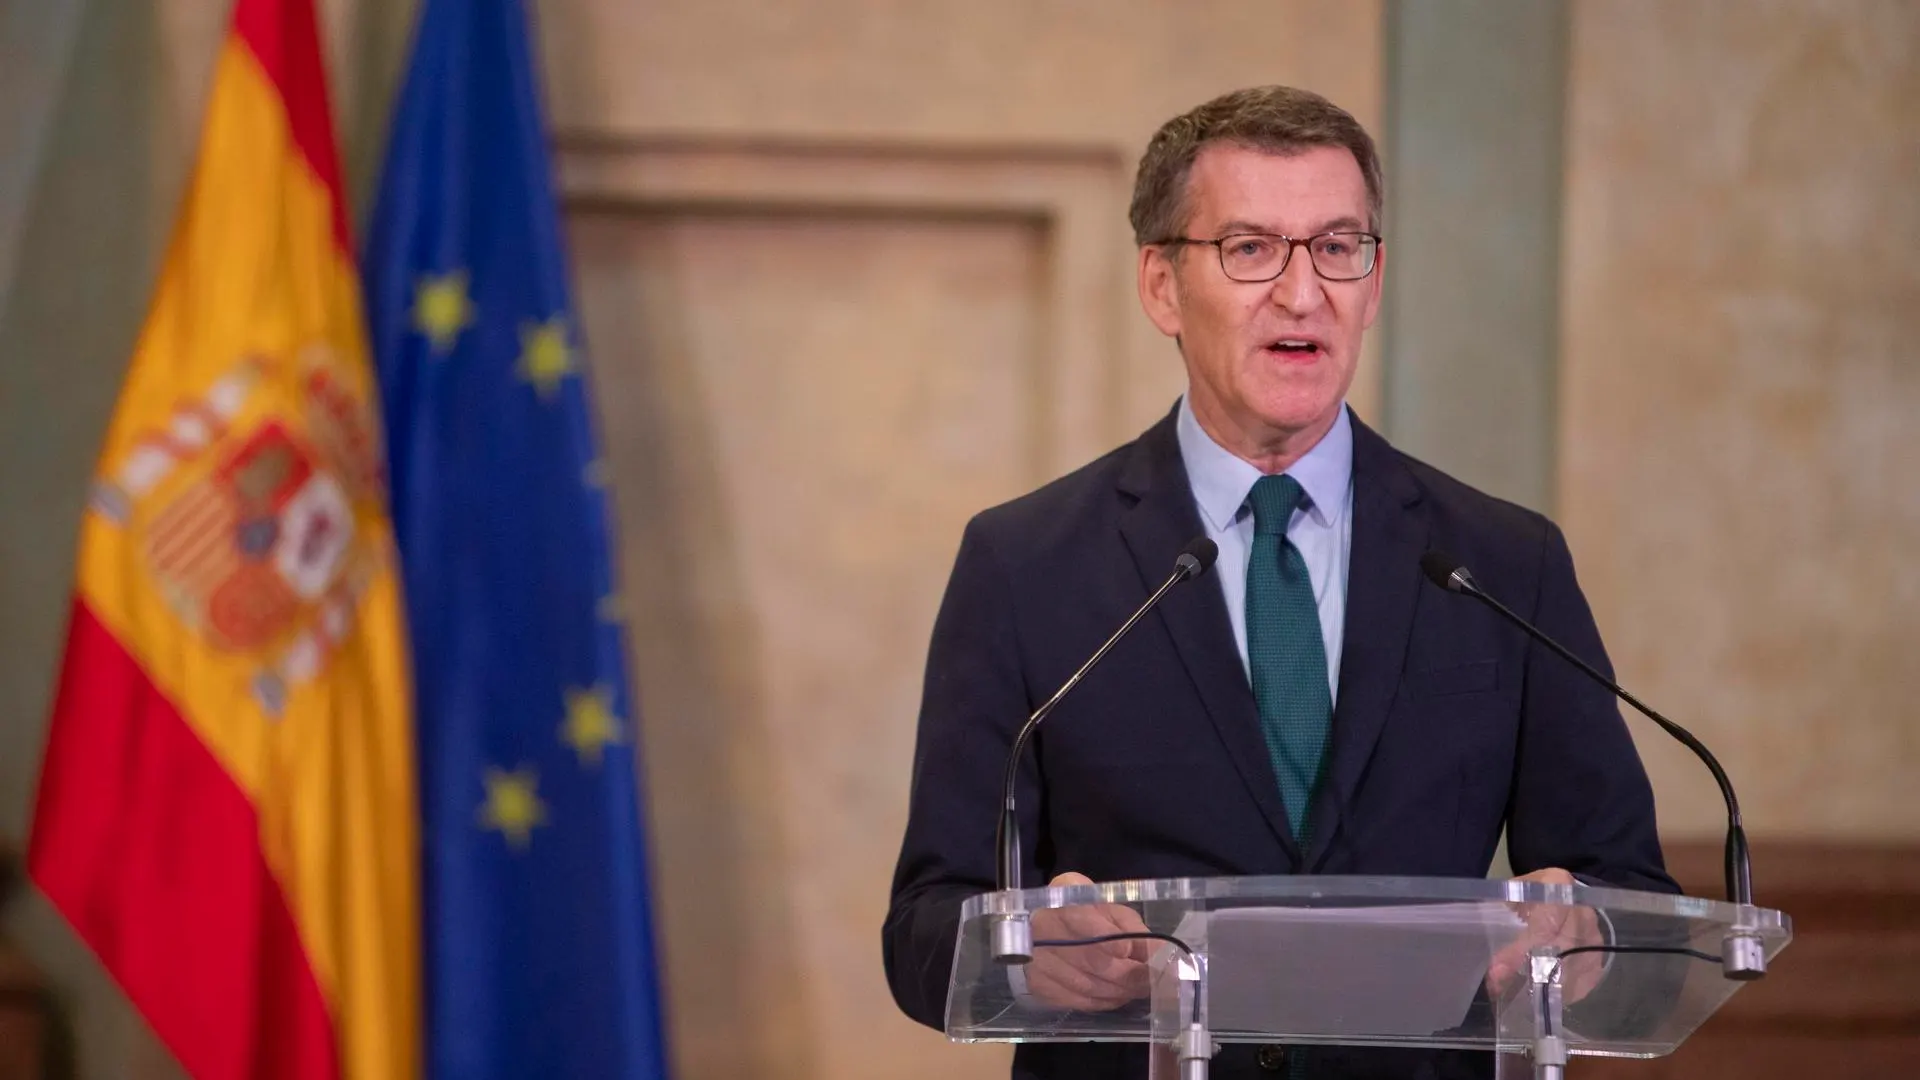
(1271, 1058)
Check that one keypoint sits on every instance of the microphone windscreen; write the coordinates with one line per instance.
(1202, 551)
(1440, 568)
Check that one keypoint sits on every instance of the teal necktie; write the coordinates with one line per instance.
(1287, 658)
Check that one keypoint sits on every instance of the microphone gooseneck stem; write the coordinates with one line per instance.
(1739, 872)
(1007, 838)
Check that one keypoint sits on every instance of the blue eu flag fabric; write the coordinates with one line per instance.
(538, 952)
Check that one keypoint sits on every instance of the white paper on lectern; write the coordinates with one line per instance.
(1409, 970)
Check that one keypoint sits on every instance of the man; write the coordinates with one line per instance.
(1316, 707)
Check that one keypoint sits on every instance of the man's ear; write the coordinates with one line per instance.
(1160, 289)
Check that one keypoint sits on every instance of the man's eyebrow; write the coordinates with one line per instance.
(1339, 224)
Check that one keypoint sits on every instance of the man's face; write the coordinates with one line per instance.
(1269, 363)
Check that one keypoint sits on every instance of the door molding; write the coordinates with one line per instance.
(1075, 194)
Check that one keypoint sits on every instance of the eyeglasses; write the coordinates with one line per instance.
(1255, 257)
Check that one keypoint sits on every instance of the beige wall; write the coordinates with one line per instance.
(1741, 394)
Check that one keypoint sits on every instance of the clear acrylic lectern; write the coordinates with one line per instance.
(1504, 966)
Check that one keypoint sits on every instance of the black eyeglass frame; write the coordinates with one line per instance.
(1219, 249)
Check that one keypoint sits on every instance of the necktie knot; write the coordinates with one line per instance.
(1274, 499)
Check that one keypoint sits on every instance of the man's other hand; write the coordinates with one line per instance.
(1559, 926)
(1090, 978)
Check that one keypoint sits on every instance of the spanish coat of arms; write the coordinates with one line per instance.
(258, 551)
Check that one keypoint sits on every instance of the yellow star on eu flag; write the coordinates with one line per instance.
(441, 309)
(595, 474)
(545, 355)
(591, 724)
(513, 804)
(612, 609)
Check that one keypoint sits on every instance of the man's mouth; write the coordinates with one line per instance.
(1301, 347)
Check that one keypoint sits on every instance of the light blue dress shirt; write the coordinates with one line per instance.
(1323, 530)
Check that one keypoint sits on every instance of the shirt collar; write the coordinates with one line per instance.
(1221, 481)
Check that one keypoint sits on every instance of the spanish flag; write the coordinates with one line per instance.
(227, 807)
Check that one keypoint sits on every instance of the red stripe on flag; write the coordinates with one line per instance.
(148, 847)
(282, 37)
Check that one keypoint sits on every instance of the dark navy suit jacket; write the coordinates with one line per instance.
(1450, 724)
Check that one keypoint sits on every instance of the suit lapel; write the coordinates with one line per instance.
(1155, 530)
(1383, 586)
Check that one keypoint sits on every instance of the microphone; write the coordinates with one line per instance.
(1742, 955)
(1013, 934)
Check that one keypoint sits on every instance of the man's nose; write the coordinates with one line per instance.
(1298, 288)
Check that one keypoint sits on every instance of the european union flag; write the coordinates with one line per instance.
(536, 929)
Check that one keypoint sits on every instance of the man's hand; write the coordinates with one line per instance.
(1091, 978)
(1558, 926)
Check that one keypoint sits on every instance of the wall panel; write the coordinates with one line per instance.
(1742, 284)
